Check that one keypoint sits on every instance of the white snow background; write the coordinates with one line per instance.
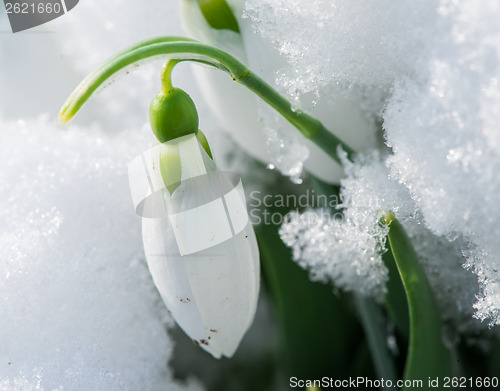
(78, 307)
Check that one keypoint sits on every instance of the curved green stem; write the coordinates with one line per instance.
(166, 75)
(183, 49)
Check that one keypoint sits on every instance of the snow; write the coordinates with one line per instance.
(80, 310)
(361, 43)
(430, 69)
(446, 146)
(346, 245)
(255, 126)
(79, 307)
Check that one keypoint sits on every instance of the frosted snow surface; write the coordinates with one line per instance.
(359, 43)
(446, 137)
(79, 309)
(253, 124)
(78, 306)
(346, 247)
(431, 70)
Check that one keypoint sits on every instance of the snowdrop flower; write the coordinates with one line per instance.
(242, 116)
(199, 243)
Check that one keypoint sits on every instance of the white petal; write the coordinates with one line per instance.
(211, 294)
(236, 110)
(201, 248)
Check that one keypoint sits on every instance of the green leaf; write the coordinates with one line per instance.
(427, 356)
(373, 324)
(395, 298)
(495, 357)
(319, 334)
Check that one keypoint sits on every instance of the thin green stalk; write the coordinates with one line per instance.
(372, 321)
(166, 76)
(187, 50)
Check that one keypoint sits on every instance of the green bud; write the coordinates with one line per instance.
(172, 114)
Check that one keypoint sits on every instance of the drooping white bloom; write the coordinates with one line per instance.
(255, 127)
(199, 243)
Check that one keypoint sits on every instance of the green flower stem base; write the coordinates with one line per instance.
(427, 356)
(373, 322)
(183, 49)
(166, 76)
